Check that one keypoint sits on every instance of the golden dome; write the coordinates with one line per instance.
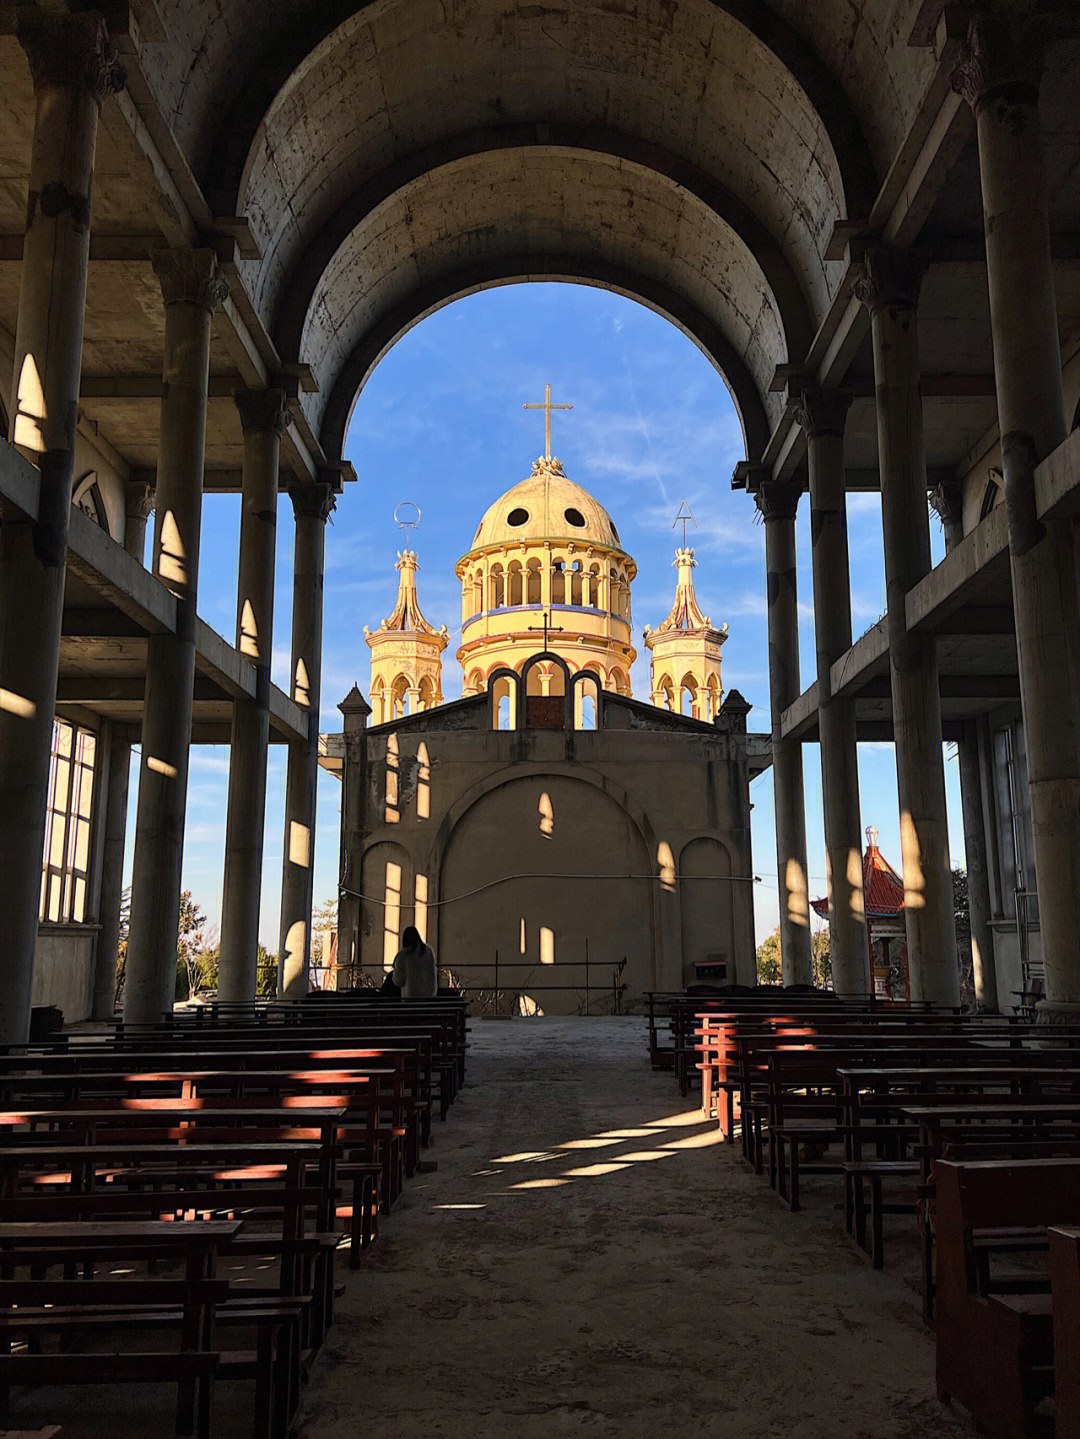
(547, 506)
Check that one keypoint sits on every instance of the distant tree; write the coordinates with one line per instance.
(768, 960)
(266, 971)
(191, 949)
(821, 958)
(961, 912)
(122, 948)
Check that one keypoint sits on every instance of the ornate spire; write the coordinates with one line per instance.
(686, 612)
(407, 615)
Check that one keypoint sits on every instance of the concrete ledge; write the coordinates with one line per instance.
(869, 655)
(800, 717)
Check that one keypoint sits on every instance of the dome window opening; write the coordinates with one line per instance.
(518, 517)
(575, 518)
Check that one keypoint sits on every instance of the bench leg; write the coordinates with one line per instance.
(793, 1197)
(264, 1374)
(877, 1238)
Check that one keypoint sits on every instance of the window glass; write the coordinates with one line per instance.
(66, 854)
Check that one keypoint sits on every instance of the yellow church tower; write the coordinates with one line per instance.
(406, 653)
(685, 651)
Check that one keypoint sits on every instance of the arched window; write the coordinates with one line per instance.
(575, 583)
(398, 692)
(592, 588)
(427, 692)
(502, 694)
(712, 699)
(514, 583)
(495, 588)
(619, 682)
(378, 701)
(587, 701)
(558, 583)
(688, 695)
(666, 692)
(532, 582)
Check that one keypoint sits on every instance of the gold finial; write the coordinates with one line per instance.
(547, 408)
(685, 516)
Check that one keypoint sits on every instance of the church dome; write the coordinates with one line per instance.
(546, 506)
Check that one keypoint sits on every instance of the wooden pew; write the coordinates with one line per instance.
(1065, 1302)
(994, 1338)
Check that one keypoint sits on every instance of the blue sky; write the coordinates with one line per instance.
(440, 422)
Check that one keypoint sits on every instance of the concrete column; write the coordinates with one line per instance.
(946, 498)
(138, 507)
(73, 68)
(264, 415)
(356, 711)
(112, 873)
(778, 504)
(312, 504)
(822, 414)
(192, 289)
(999, 73)
(889, 287)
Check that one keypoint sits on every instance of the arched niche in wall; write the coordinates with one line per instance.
(708, 911)
(545, 684)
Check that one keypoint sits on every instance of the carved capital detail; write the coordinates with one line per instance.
(314, 501)
(777, 501)
(70, 52)
(191, 277)
(947, 500)
(822, 412)
(262, 411)
(1001, 57)
(890, 279)
(138, 500)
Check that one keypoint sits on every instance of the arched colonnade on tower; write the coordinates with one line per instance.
(286, 199)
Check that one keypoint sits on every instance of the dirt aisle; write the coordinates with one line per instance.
(587, 1260)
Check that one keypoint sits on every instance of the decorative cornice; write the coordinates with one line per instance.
(262, 411)
(1001, 58)
(191, 277)
(822, 412)
(70, 52)
(777, 501)
(890, 279)
(313, 501)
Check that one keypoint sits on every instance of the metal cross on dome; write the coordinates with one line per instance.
(407, 524)
(686, 517)
(547, 408)
(548, 628)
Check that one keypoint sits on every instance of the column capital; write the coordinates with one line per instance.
(191, 277)
(947, 499)
(138, 500)
(314, 501)
(1001, 57)
(890, 279)
(778, 501)
(262, 410)
(822, 412)
(70, 52)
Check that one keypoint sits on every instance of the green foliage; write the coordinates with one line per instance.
(821, 958)
(191, 949)
(960, 901)
(768, 959)
(769, 969)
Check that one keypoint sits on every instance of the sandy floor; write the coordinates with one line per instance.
(587, 1260)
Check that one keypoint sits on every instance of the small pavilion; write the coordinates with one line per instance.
(886, 941)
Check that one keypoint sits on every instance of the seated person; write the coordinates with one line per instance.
(414, 969)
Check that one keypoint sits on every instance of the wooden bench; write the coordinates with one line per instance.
(1065, 1300)
(994, 1340)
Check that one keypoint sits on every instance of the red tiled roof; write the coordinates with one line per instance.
(883, 889)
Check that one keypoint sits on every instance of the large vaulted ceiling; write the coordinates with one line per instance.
(712, 158)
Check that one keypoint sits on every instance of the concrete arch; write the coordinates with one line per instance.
(305, 40)
(519, 269)
(296, 290)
